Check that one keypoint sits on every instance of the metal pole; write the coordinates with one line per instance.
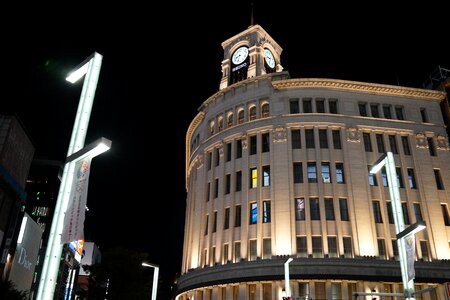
(155, 283)
(286, 278)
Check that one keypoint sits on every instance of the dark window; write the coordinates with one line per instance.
(423, 114)
(312, 172)
(390, 214)
(405, 213)
(208, 191)
(309, 135)
(332, 247)
(237, 216)
(425, 254)
(206, 224)
(230, 120)
(372, 178)
(367, 143)
(437, 176)
(252, 113)
(348, 248)
(387, 111)
(395, 249)
(374, 110)
(298, 172)
(227, 183)
(307, 105)
(228, 152)
(314, 208)
(380, 143)
(320, 105)
(399, 177)
(445, 214)
(317, 253)
(329, 209)
(362, 109)
(326, 173)
(405, 144)
(216, 188)
(302, 249)
(266, 175)
(293, 106)
(340, 178)
(266, 212)
(241, 116)
(238, 181)
(417, 212)
(253, 213)
(209, 160)
(214, 229)
(381, 249)
(343, 209)
(393, 144)
(384, 177)
(411, 179)
(238, 149)
(226, 222)
(253, 144)
(265, 142)
(296, 139)
(323, 141)
(299, 209)
(332, 105)
(377, 212)
(217, 155)
(337, 139)
(399, 112)
(431, 147)
(265, 110)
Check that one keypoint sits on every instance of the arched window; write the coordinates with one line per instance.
(252, 113)
(265, 110)
(220, 123)
(241, 116)
(230, 120)
(211, 128)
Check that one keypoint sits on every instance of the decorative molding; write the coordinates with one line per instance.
(220, 146)
(421, 141)
(192, 127)
(442, 142)
(199, 161)
(362, 87)
(279, 134)
(244, 141)
(353, 135)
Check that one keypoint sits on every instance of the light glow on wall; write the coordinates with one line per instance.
(22, 230)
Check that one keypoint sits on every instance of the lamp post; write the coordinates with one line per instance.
(155, 278)
(91, 68)
(387, 160)
(287, 288)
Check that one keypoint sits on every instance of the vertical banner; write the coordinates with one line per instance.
(410, 246)
(74, 218)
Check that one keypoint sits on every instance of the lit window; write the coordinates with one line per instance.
(299, 209)
(340, 178)
(253, 213)
(266, 175)
(312, 172)
(253, 178)
(266, 212)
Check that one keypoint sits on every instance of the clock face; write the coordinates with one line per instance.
(268, 56)
(239, 55)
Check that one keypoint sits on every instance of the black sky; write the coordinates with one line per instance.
(159, 64)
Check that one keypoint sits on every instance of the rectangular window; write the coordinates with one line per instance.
(437, 176)
(405, 144)
(332, 246)
(337, 139)
(320, 105)
(238, 181)
(267, 291)
(348, 248)
(237, 216)
(266, 212)
(329, 209)
(298, 172)
(237, 251)
(224, 261)
(238, 149)
(226, 221)
(424, 250)
(405, 213)
(209, 160)
(343, 209)
(296, 139)
(206, 224)
(351, 288)
(399, 112)
(253, 178)
(217, 155)
(381, 249)
(253, 213)
(253, 145)
(399, 177)
(227, 183)
(336, 291)
(411, 179)
(332, 105)
(299, 209)
(317, 247)
(340, 178)
(208, 191)
(380, 143)
(213, 256)
(372, 177)
(314, 208)
(251, 291)
(228, 158)
(389, 211)
(395, 249)
(326, 173)
(307, 105)
(374, 110)
(423, 114)
(216, 188)
(377, 212)
(252, 251)
(265, 141)
(445, 214)
(312, 172)
(387, 111)
(309, 135)
(293, 106)
(393, 144)
(320, 290)
(266, 175)
(303, 290)
(267, 248)
(384, 177)
(323, 140)
(431, 147)
(362, 109)
(214, 228)
(417, 212)
(302, 249)
(367, 143)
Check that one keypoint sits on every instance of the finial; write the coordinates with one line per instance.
(251, 15)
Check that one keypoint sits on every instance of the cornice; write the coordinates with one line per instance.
(361, 87)
(192, 127)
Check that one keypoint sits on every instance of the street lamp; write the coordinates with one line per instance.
(287, 288)
(387, 160)
(155, 278)
(91, 68)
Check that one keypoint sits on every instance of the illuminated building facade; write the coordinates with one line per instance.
(278, 167)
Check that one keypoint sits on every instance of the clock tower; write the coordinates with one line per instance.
(248, 54)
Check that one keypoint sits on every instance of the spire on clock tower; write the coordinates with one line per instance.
(248, 54)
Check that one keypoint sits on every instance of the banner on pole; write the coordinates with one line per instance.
(73, 229)
(410, 246)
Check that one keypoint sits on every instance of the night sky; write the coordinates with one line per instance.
(159, 64)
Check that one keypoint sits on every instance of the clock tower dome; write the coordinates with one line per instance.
(248, 54)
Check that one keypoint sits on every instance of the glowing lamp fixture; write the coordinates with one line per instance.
(378, 164)
(155, 278)
(79, 71)
(413, 229)
(93, 149)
